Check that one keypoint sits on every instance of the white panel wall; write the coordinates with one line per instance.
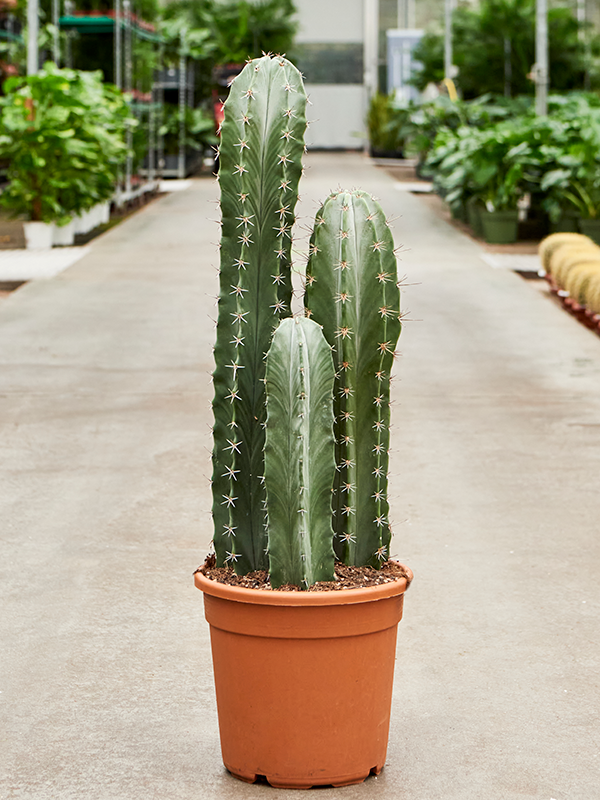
(337, 115)
(330, 20)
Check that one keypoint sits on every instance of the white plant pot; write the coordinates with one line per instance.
(104, 212)
(83, 222)
(79, 223)
(38, 235)
(65, 234)
(97, 215)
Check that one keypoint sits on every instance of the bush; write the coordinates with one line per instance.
(63, 132)
(555, 159)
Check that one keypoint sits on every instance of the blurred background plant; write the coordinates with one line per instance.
(63, 132)
(494, 49)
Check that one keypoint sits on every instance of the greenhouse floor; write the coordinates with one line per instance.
(106, 688)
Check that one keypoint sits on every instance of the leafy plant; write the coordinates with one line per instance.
(63, 132)
(385, 134)
(199, 129)
(494, 48)
(553, 159)
(238, 29)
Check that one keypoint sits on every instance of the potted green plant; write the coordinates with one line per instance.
(384, 125)
(300, 460)
(63, 132)
(500, 160)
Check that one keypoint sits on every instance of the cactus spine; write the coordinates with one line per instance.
(260, 165)
(299, 454)
(352, 291)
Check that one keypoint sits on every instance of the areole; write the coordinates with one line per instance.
(303, 680)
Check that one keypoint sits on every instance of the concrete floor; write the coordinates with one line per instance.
(105, 674)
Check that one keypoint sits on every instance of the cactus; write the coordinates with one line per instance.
(299, 454)
(352, 291)
(260, 165)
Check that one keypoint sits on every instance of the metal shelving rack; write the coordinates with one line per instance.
(125, 27)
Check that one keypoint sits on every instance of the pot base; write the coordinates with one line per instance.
(308, 783)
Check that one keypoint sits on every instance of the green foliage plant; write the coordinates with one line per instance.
(199, 128)
(63, 132)
(499, 159)
(243, 29)
(385, 134)
(301, 404)
(494, 48)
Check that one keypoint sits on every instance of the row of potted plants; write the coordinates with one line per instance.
(63, 134)
(544, 166)
(42, 235)
(571, 264)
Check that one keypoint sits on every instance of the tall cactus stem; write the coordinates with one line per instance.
(351, 290)
(259, 169)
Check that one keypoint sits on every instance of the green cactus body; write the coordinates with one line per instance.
(352, 291)
(260, 165)
(299, 454)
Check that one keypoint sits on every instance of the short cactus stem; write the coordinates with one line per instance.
(299, 455)
(352, 291)
(259, 168)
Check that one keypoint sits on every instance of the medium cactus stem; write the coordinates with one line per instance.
(259, 168)
(299, 455)
(351, 290)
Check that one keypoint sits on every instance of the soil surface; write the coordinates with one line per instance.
(345, 577)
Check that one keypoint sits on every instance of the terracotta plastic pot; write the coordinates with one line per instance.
(303, 680)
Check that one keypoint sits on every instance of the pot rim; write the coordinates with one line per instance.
(274, 598)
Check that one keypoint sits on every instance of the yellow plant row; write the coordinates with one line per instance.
(572, 263)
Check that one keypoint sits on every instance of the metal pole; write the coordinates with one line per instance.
(541, 58)
(406, 14)
(32, 37)
(128, 88)
(118, 78)
(448, 8)
(69, 36)
(402, 13)
(56, 32)
(161, 111)
(152, 131)
(581, 15)
(371, 47)
(182, 108)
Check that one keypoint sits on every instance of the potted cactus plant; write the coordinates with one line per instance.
(303, 666)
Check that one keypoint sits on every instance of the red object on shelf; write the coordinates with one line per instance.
(219, 113)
